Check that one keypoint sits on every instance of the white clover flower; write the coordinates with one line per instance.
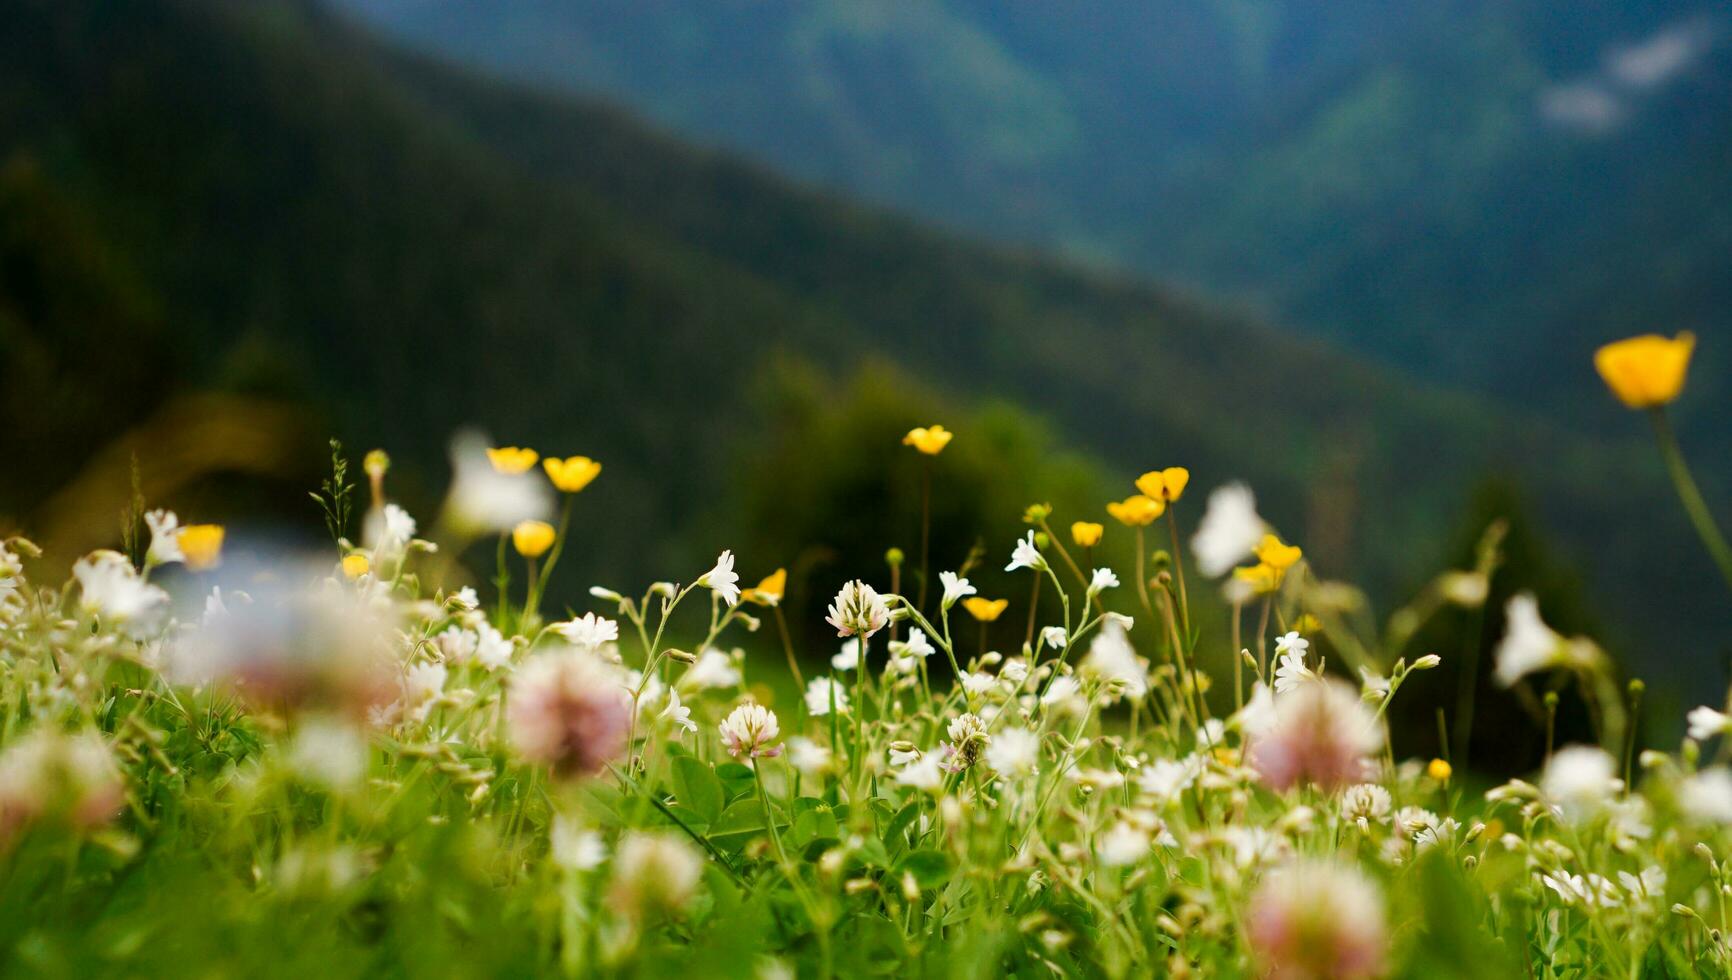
(1053, 636)
(1122, 845)
(493, 649)
(1323, 734)
(967, 738)
(1528, 644)
(1705, 723)
(109, 587)
(588, 632)
(678, 714)
(713, 669)
(1026, 555)
(164, 538)
(1111, 660)
(1013, 752)
(1102, 580)
(858, 610)
(723, 580)
(809, 757)
(573, 847)
(1579, 780)
(1706, 797)
(748, 731)
(1365, 804)
(821, 692)
(1229, 531)
(569, 710)
(955, 589)
(922, 774)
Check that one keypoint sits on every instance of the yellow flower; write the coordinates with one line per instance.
(1086, 534)
(532, 538)
(1439, 770)
(356, 565)
(1262, 578)
(1308, 624)
(512, 460)
(1136, 510)
(1165, 485)
(769, 592)
(985, 610)
(930, 440)
(571, 474)
(1270, 551)
(1646, 371)
(202, 545)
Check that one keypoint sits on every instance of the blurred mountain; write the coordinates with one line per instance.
(1464, 188)
(262, 200)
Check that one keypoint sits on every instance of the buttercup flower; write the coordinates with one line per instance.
(858, 610)
(954, 588)
(201, 545)
(748, 731)
(512, 460)
(1280, 557)
(1229, 531)
(930, 440)
(770, 590)
(1317, 920)
(1166, 485)
(1260, 578)
(532, 538)
(570, 711)
(985, 610)
(1440, 770)
(572, 474)
(1646, 371)
(722, 580)
(1137, 510)
(1086, 534)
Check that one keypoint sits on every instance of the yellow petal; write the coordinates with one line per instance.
(1137, 510)
(532, 538)
(201, 545)
(1164, 485)
(1270, 551)
(1646, 371)
(356, 565)
(512, 459)
(769, 592)
(572, 474)
(1086, 534)
(930, 440)
(985, 610)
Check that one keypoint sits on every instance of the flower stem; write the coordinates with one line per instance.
(1691, 496)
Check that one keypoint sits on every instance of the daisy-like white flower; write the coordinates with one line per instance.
(109, 587)
(1579, 780)
(1053, 636)
(677, 713)
(917, 645)
(1013, 752)
(1705, 723)
(456, 644)
(423, 682)
(858, 610)
(1291, 640)
(390, 529)
(723, 580)
(1706, 797)
(1026, 555)
(1102, 580)
(822, 692)
(809, 757)
(748, 731)
(1064, 695)
(923, 774)
(164, 547)
(955, 589)
(713, 669)
(1111, 660)
(1290, 670)
(588, 632)
(1528, 644)
(1164, 779)
(465, 599)
(569, 711)
(1122, 845)
(848, 657)
(493, 649)
(900, 757)
(1229, 531)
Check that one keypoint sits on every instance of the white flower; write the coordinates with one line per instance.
(1064, 696)
(1705, 723)
(1528, 643)
(574, 848)
(1026, 555)
(1102, 580)
(1365, 804)
(723, 580)
(819, 693)
(1013, 752)
(955, 589)
(1373, 682)
(655, 870)
(678, 713)
(1164, 779)
(858, 610)
(109, 587)
(749, 729)
(588, 632)
(456, 644)
(492, 649)
(1053, 636)
(978, 682)
(917, 645)
(1290, 671)
(1257, 717)
(902, 757)
(809, 757)
(1579, 780)
(849, 656)
(714, 669)
(390, 530)
(164, 538)
(1229, 530)
(328, 753)
(423, 682)
(483, 499)
(1111, 659)
(1291, 640)
(1707, 796)
(1122, 845)
(922, 774)
(466, 599)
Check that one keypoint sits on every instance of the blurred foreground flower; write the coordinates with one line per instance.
(569, 710)
(1322, 734)
(50, 775)
(1317, 920)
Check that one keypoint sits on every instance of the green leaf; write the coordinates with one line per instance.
(929, 868)
(736, 779)
(696, 786)
(742, 817)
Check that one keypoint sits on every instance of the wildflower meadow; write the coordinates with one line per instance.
(396, 756)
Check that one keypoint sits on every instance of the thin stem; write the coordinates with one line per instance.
(925, 526)
(1179, 570)
(1691, 496)
(788, 646)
